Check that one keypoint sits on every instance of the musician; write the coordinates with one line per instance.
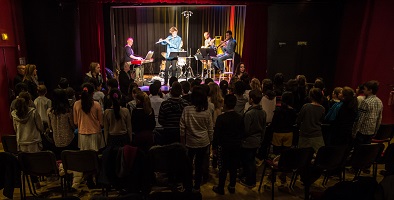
(173, 43)
(129, 56)
(228, 47)
(209, 42)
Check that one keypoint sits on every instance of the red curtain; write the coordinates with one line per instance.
(92, 34)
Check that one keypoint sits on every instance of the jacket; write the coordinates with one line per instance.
(28, 128)
(255, 123)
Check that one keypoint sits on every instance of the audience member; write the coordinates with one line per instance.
(279, 87)
(21, 69)
(94, 73)
(155, 100)
(223, 87)
(42, 104)
(240, 88)
(31, 80)
(185, 91)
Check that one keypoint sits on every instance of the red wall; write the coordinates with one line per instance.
(367, 48)
(10, 23)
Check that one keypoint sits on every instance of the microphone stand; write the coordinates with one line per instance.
(187, 14)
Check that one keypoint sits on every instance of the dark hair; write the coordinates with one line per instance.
(360, 89)
(185, 87)
(154, 89)
(230, 101)
(198, 80)
(372, 85)
(87, 97)
(115, 97)
(237, 69)
(278, 79)
(229, 32)
(256, 96)
(63, 83)
(240, 87)
(42, 90)
(199, 99)
(206, 89)
(94, 82)
(301, 79)
(172, 80)
(190, 80)
(194, 83)
(208, 80)
(291, 85)
(246, 79)
(287, 99)
(267, 85)
(22, 104)
(132, 86)
(60, 104)
(319, 84)
(113, 83)
(349, 99)
(176, 89)
(316, 95)
(224, 87)
(20, 87)
(270, 94)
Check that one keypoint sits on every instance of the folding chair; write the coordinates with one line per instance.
(9, 144)
(364, 156)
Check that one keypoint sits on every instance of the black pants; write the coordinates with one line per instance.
(172, 70)
(228, 159)
(198, 154)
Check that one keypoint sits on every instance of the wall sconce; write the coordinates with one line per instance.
(4, 36)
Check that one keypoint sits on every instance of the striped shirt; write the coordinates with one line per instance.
(171, 111)
(196, 127)
(370, 116)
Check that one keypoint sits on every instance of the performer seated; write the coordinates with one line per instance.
(228, 47)
(208, 43)
(129, 56)
(173, 43)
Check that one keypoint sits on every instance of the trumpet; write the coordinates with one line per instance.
(223, 43)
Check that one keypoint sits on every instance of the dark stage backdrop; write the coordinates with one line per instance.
(147, 24)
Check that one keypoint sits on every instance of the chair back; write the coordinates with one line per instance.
(364, 155)
(331, 157)
(385, 131)
(294, 159)
(85, 161)
(388, 156)
(41, 163)
(9, 143)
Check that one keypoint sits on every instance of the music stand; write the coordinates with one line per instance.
(176, 54)
(207, 54)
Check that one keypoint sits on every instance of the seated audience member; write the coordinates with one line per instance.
(43, 104)
(117, 121)
(185, 91)
(155, 100)
(227, 137)
(169, 115)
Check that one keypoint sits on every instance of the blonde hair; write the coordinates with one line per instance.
(216, 95)
(172, 29)
(143, 98)
(29, 73)
(255, 85)
(93, 66)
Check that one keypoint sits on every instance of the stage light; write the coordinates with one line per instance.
(4, 36)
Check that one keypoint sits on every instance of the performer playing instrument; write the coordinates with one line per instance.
(173, 43)
(129, 56)
(209, 42)
(228, 47)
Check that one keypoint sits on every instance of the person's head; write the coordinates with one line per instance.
(301, 79)
(229, 34)
(371, 87)
(154, 89)
(94, 68)
(240, 88)
(60, 104)
(199, 99)
(126, 67)
(115, 96)
(194, 83)
(267, 85)
(360, 89)
(130, 41)
(132, 86)
(246, 79)
(223, 87)
(336, 93)
(278, 79)
(95, 83)
(70, 93)
(319, 84)
(42, 90)
(207, 81)
(255, 97)
(240, 68)
(134, 92)
(291, 85)
(316, 95)
(255, 84)
(174, 31)
(287, 99)
(20, 87)
(176, 89)
(206, 35)
(22, 104)
(21, 69)
(190, 80)
(185, 87)
(230, 101)
(349, 98)
(142, 100)
(63, 83)
(112, 83)
(215, 94)
(172, 80)
(87, 97)
(31, 71)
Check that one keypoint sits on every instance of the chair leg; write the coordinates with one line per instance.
(262, 177)
(23, 193)
(273, 180)
(306, 197)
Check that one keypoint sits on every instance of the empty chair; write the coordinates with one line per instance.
(9, 144)
(385, 134)
(386, 158)
(291, 160)
(364, 156)
(41, 163)
(228, 68)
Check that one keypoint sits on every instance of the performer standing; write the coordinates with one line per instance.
(129, 56)
(228, 47)
(173, 43)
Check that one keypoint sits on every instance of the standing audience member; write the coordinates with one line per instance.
(131, 105)
(31, 80)
(335, 96)
(268, 101)
(360, 94)
(170, 114)
(223, 87)
(215, 97)
(64, 84)
(240, 88)
(370, 115)
(310, 119)
(279, 86)
(301, 92)
(227, 137)
(28, 128)
(94, 73)
(255, 123)
(21, 73)
(117, 122)
(155, 100)
(196, 131)
(185, 91)
(19, 88)
(98, 95)
(43, 104)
